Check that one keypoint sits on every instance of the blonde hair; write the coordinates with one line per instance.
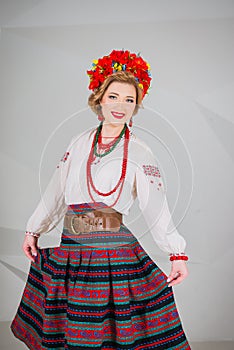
(122, 77)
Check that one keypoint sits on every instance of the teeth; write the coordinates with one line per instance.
(118, 113)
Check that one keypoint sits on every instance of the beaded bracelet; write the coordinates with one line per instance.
(29, 233)
(178, 256)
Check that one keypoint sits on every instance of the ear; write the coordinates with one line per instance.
(99, 107)
(100, 103)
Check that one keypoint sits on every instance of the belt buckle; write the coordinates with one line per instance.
(72, 227)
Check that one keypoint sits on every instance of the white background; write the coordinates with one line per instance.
(46, 48)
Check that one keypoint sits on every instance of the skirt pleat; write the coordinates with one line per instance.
(85, 297)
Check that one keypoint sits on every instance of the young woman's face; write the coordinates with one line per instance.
(118, 103)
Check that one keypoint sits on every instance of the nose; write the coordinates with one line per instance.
(121, 104)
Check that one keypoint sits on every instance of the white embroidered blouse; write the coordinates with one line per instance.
(143, 180)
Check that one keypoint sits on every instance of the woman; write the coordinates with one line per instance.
(99, 289)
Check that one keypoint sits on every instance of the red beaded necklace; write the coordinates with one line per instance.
(102, 145)
(123, 173)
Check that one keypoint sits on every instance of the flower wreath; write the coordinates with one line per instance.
(117, 61)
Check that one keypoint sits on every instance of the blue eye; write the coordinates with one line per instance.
(114, 97)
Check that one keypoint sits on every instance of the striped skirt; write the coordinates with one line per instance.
(97, 291)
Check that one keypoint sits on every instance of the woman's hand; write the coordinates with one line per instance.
(178, 273)
(30, 247)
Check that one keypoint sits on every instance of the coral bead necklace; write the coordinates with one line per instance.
(93, 151)
(111, 145)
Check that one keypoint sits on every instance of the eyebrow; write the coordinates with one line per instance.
(118, 94)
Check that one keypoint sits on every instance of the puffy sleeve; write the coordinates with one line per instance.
(52, 207)
(154, 206)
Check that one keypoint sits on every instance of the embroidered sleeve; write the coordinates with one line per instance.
(52, 207)
(154, 205)
(152, 171)
(64, 158)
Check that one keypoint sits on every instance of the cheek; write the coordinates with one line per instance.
(106, 108)
(131, 107)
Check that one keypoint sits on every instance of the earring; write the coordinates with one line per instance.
(130, 122)
(100, 117)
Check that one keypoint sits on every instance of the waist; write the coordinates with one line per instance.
(88, 217)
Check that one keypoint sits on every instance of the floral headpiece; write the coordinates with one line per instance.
(117, 61)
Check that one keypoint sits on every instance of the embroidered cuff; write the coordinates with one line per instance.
(29, 233)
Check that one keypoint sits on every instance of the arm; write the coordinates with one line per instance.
(154, 206)
(51, 206)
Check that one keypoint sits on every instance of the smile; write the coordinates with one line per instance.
(118, 115)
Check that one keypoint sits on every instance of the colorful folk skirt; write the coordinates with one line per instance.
(97, 291)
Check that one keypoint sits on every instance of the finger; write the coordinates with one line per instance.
(34, 250)
(29, 256)
(28, 253)
(172, 276)
(176, 281)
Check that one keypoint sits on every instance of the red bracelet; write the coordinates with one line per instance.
(177, 256)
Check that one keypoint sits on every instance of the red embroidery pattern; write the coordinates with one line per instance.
(152, 170)
(64, 158)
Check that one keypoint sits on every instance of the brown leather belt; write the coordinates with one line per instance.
(104, 219)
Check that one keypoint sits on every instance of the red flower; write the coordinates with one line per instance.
(128, 61)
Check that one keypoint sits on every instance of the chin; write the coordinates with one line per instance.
(117, 122)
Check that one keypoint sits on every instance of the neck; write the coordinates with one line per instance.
(111, 130)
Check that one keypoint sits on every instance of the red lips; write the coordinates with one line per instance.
(118, 115)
